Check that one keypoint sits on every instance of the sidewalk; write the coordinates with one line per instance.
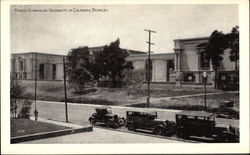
(58, 122)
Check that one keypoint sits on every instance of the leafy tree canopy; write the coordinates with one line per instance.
(112, 60)
(78, 65)
(233, 43)
(216, 45)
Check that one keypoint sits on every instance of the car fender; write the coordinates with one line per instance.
(92, 117)
(160, 126)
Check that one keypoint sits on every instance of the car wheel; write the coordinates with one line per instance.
(121, 121)
(131, 127)
(169, 132)
(159, 131)
(92, 121)
(109, 124)
(181, 133)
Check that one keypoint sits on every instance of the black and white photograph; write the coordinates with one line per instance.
(101, 75)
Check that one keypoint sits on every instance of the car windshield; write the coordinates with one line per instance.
(109, 110)
(153, 114)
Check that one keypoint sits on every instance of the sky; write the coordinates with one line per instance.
(58, 32)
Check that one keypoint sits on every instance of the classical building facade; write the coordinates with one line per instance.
(48, 66)
(184, 66)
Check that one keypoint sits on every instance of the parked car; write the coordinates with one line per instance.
(104, 115)
(203, 124)
(149, 121)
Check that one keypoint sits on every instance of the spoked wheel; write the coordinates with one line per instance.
(109, 124)
(121, 121)
(92, 121)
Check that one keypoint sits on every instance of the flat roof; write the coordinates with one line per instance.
(197, 113)
(38, 53)
(190, 39)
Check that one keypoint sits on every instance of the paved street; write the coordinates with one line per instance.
(102, 136)
(81, 112)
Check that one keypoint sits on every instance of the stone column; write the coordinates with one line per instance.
(175, 61)
(198, 60)
(211, 66)
(179, 60)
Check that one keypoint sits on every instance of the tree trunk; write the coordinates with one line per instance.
(215, 78)
(98, 80)
(113, 80)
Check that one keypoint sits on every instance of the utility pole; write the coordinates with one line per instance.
(35, 112)
(65, 90)
(205, 91)
(149, 63)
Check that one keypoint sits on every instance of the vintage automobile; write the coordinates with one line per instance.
(203, 124)
(149, 121)
(104, 115)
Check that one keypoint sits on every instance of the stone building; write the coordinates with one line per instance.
(184, 66)
(162, 66)
(48, 66)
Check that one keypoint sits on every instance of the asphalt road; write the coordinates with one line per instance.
(81, 112)
(102, 136)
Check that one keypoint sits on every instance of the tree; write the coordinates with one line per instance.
(78, 65)
(133, 79)
(18, 101)
(112, 61)
(15, 94)
(98, 69)
(215, 48)
(233, 44)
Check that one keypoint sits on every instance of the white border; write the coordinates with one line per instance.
(242, 147)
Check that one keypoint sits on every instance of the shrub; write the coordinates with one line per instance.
(15, 93)
(25, 110)
(133, 80)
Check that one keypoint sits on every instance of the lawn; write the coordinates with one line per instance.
(196, 103)
(21, 127)
(162, 96)
(111, 96)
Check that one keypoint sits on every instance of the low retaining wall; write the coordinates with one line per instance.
(49, 134)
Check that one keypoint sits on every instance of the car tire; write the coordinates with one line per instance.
(92, 121)
(181, 133)
(131, 127)
(109, 124)
(121, 121)
(159, 131)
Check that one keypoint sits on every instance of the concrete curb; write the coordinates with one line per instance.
(50, 134)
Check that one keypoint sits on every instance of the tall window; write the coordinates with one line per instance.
(41, 71)
(204, 63)
(170, 68)
(54, 71)
(21, 66)
(148, 73)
